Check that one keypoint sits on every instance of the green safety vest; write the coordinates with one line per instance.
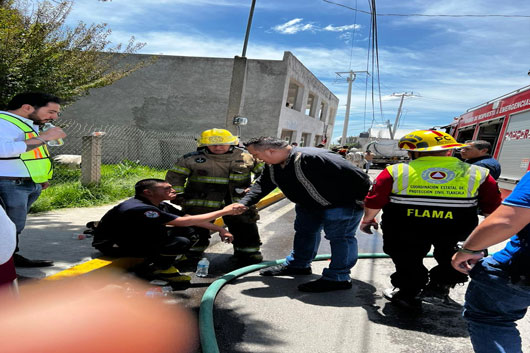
(436, 181)
(37, 161)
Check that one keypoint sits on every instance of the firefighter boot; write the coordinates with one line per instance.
(247, 258)
(170, 274)
(189, 261)
(436, 293)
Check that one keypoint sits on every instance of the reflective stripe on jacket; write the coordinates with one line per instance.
(208, 181)
(37, 161)
(437, 177)
(433, 189)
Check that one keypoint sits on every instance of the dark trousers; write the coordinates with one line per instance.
(408, 244)
(161, 252)
(245, 232)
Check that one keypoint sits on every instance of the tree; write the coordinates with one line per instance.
(39, 53)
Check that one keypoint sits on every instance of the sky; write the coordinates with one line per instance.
(448, 63)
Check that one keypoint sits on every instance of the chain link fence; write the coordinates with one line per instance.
(117, 145)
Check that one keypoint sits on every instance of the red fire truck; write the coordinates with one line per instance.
(505, 123)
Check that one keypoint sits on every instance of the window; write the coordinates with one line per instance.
(293, 95)
(322, 112)
(309, 107)
(287, 135)
(306, 140)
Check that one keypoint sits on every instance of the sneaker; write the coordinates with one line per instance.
(405, 301)
(323, 285)
(170, 274)
(283, 270)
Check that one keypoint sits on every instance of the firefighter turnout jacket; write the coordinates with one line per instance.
(210, 181)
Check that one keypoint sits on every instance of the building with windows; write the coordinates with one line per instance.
(190, 94)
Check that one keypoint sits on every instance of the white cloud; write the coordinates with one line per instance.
(332, 28)
(455, 63)
(293, 26)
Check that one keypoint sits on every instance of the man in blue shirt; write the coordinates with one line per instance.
(477, 153)
(499, 291)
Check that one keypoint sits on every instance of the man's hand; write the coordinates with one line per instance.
(367, 225)
(464, 262)
(226, 237)
(235, 209)
(53, 133)
(44, 185)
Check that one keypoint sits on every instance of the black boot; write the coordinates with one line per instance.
(21, 261)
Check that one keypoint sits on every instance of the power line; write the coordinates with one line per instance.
(422, 15)
(353, 34)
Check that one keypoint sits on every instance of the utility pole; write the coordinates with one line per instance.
(351, 77)
(249, 24)
(394, 128)
(239, 79)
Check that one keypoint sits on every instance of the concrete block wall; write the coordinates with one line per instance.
(186, 95)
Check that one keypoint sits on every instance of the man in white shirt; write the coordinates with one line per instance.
(25, 165)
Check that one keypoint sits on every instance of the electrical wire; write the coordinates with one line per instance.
(353, 35)
(425, 15)
(377, 62)
(370, 51)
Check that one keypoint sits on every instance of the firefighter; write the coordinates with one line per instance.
(432, 201)
(145, 226)
(217, 174)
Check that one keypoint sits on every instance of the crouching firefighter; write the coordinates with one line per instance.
(219, 173)
(145, 226)
(431, 201)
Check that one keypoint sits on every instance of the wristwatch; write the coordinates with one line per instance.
(460, 248)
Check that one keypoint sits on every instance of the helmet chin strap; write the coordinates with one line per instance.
(206, 150)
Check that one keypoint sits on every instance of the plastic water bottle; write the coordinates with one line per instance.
(54, 143)
(202, 267)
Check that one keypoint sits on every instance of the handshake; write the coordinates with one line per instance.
(235, 209)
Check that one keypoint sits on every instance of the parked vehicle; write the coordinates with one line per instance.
(386, 152)
(505, 123)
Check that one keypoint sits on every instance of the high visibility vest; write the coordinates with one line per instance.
(37, 161)
(434, 188)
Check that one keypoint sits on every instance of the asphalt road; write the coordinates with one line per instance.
(264, 314)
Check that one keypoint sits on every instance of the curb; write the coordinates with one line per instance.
(110, 263)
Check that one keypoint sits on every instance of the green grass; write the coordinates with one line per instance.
(117, 183)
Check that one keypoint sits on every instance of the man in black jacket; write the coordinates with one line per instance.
(328, 191)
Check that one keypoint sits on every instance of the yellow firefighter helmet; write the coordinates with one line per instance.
(428, 140)
(217, 137)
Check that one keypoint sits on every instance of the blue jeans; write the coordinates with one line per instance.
(367, 166)
(18, 196)
(493, 304)
(339, 225)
